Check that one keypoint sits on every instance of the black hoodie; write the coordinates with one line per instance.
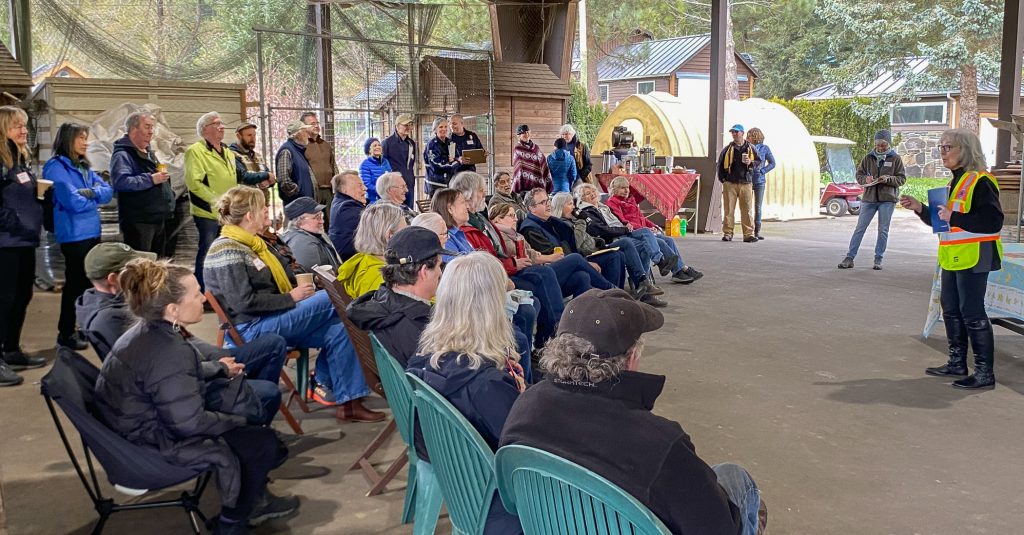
(395, 319)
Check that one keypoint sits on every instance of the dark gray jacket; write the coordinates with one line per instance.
(311, 249)
(891, 167)
(397, 320)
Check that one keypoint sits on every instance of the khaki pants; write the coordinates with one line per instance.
(731, 192)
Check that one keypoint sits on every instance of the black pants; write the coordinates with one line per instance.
(17, 273)
(75, 282)
(175, 227)
(144, 236)
(963, 294)
(257, 451)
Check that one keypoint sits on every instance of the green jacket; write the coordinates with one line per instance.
(361, 274)
(208, 175)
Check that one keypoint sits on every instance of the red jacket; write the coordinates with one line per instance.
(628, 211)
(481, 242)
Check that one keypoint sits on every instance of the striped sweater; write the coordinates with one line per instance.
(242, 283)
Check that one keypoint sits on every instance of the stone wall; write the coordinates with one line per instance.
(920, 153)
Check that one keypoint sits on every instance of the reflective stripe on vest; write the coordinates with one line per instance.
(959, 249)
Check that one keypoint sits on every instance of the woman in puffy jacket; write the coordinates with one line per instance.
(372, 168)
(562, 167)
(77, 194)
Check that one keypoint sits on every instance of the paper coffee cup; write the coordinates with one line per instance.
(41, 186)
(304, 278)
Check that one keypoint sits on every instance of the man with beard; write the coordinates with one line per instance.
(249, 162)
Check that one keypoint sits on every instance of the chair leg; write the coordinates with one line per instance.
(98, 529)
(288, 417)
(375, 444)
(409, 507)
(388, 475)
(428, 498)
(293, 393)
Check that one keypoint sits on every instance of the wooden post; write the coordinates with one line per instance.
(1009, 75)
(321, 17)
(21, 33)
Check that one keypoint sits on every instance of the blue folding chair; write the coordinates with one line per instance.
(422, 493)
(553, 496)
(463, 463)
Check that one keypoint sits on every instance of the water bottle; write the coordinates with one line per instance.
(675, 225)
(682, 226)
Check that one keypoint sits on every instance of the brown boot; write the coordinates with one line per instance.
(762, 517)
(355, 411)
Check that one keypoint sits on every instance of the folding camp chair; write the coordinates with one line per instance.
(69, 385)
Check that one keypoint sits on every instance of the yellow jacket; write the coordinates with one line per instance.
(360, 274)
(208, 175)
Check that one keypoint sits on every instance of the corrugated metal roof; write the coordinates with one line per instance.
(12, 76)
(888, 82)
(382, 88)
(649, 59)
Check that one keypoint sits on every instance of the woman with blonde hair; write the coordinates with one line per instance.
(756, 138)
(259, 292)
(967, 254)
(377, 224)
(467, 353)
(21, 219)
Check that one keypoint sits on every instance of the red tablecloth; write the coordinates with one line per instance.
(665, 191)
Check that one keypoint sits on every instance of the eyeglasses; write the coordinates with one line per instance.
(946, 148)
(318, 215)
(545, 201)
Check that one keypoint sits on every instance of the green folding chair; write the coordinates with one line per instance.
(422, 493)
(463, 463)
(554, 496)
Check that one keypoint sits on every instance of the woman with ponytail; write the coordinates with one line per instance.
(259, 292)
(152, 390)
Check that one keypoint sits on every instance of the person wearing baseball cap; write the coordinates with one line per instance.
(737, 166)
(293, 171)
(399, 310)
(399, 149)
(529, 166)
(305, 235)
(249, 163)
(592, 369)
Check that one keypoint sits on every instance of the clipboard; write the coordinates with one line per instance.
(475, 156)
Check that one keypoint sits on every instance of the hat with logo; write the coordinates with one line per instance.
(414, 244)
(300, 207)
(611, 320)
(111, 257)
(737, 128)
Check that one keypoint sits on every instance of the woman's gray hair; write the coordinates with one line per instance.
(204, 120)
(567, 128)
(384, 183)
(438, 122)
(582, 188)
(377, 224)
(972, 157)
(469, 317)
(429, 220)
(468, 183)
(618, 182)
(568, 357)
(558, 203)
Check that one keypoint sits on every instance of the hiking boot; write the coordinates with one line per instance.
(8, 377)
(878, 265)
(727, 238)
(750, 239)
(354, 411)
(270, 506)
(653, 301)
(18, 360)
(667, 264)
(651, 288)
(847, 263)
(639, 290)
(73, 341)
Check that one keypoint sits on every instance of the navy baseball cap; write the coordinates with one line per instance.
(737, 128)
(414, 244)
(300, 207)
(523, 128)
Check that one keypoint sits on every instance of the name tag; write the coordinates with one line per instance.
(23, 178)
(887, 164)
(258, 264)
(469, 141)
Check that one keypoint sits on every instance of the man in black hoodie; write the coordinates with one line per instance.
(399, 310)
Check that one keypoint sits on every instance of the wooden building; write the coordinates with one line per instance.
(15, 83)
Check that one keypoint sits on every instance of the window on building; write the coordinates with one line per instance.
(602, 92)
(919, 113)
(642, 88)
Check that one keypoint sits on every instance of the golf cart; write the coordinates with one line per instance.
(842, 194)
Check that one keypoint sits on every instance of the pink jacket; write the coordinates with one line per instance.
(628, 211)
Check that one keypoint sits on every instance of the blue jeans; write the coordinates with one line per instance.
(313, 323)
(576, 276)
(524, 348)
(270, 397)
(263, 357)
(638, 260)
(542, 281)
(867, 212)
(758, 201)
(613, 267)
(742, 492)
(649, 240)
(668, 246)
(208, 229)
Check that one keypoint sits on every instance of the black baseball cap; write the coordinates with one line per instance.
(522, 128)
(110, 257)
(414, 244)
(611, 320)
(300, 207)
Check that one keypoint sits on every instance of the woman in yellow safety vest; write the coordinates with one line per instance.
(967, 253)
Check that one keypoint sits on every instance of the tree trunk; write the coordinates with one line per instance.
(969, 97)
(732, 88)
(592, 58)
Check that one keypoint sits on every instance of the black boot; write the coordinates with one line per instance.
(983, 344)
(956, 335)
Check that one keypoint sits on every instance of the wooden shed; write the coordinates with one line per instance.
(15, 83)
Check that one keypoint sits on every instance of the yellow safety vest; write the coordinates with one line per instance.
(959, 249)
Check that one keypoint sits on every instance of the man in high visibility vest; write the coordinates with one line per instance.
(968, 252)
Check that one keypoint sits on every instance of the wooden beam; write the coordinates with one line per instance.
(1009, 75)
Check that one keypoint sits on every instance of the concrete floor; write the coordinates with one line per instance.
(810, 377)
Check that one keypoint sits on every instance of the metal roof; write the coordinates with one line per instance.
(382, 88)
(648, 59)
(888, 83)
(12, 77)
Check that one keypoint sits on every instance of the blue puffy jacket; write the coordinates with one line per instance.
(75, 217)
(370, 170)
(563, 170)
(769, 162)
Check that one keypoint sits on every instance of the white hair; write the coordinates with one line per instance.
(972, 157)
(135, 118)
(377, 224)
(469, 317)
(385, 181)
(204, 120)
(468, 183)
(582, 188)
(429, 220)
(567, 128)
(558, 203)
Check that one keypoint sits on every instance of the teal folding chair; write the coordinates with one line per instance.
(463, 463)
(422, 493)
(554, 496)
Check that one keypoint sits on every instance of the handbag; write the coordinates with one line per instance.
(234, 396)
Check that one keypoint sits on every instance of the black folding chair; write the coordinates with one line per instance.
(70, 384)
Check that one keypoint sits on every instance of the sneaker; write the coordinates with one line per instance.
(727, 238)
(847, 263)
(270, 506)
(18, 360)
(223, 527)
(758, 236)
(667, 264)
(8, 377)
(693, 273)
(682, 277)
(74, 341)
(878, 265)
(750, 239)
(321, 394)
(653, 301)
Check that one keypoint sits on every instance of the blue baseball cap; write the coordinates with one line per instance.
(737, 128)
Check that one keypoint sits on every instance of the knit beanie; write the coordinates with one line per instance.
(366, 146)
(884, 135)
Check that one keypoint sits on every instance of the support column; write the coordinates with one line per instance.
(21, 33)
(321, 15)
(1009, 75)
(710, 188)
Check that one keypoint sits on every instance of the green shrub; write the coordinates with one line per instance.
(918, 187)
(836, 117)
(586, 117)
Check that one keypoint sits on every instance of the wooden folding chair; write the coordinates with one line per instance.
(423, 205)
(301, 356)
(364, 350)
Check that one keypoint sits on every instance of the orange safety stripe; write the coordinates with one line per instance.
(969, 240)
(965, 186)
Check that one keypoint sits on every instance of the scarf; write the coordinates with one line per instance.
(259, 247)
(729, 154)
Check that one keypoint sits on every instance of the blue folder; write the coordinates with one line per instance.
(938, 197)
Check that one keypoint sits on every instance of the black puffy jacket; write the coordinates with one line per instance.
(396, 320)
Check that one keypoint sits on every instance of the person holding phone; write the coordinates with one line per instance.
(881, 173)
